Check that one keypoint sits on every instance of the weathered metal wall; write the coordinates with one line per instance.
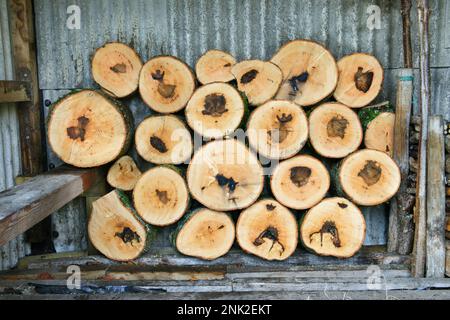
(247, 29)
(9, 141)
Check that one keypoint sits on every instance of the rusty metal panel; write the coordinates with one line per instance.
(9, 141)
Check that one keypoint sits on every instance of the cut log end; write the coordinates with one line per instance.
(334, 227)
(123, 174)
(166, 84)
(360, 80)
(163, 140)
(278, 129)
(379, 134)
(369, 177)
(309, 70)
(259, 80)
(335, 130)
(116, 68)
(215, 110)
(114, 230)
(86, 129)
(300, 182)
(268, 230)
(224, 175)
(215, 66)
(161, 196)
(205, 234)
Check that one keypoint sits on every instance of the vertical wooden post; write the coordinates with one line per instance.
(435, 260)
(401, 229)
(420, 213)
(23, 43)
(406, 23)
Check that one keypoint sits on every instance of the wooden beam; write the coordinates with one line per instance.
(447, 258)
(25, 205)
(25, 66)
(14, 91)
(435, 262)
(406, 22)
(420, 212)
(401, 228)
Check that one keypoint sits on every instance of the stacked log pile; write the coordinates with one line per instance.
(304, 113)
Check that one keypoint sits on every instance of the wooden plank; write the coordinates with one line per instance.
(447, 258)
(420, 213)
(435, 236)
(25, 66)
(401, 229)
(25, 205)
(14, 91)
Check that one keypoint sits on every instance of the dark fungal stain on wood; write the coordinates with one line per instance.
(158, 144)
(371, 172)
(226, 182)
(278, 135)
(78, 131)
(328, 227)
(302, 78)
(214, 105)
(165, 90)
(162, 196)
(300, 175)
(336, 127)
(158, 75)
(128, 236)
(270, 233)
(119, 68)
(249, 76)
(270, 207)
(342, 205)
(363, 80)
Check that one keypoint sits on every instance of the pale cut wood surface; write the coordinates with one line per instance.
(27, 204)
(435, 263)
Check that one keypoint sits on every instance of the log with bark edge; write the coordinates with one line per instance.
(166, 84)
(115, 230)
(310, 72)
(360, 80)
(205, 234)
(163, 139)
(378, 123)
(334, 227)
(224, 175)
(268, 230)
(300, 182)
(367, 177)
(116, 68)
(215, 110)
(123, 174)
(161, 196)
(335, 130)
(88, 129)
(278, 129)
(259, 80)
(214, 66)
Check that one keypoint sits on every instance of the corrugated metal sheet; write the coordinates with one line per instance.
(247, 29)
(9, 139)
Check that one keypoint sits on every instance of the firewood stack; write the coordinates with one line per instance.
(309, 126)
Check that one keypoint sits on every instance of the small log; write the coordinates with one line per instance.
(166, 84)
(161, 196)
(414, 137)
(278, 129)
(334, 227)
(123, 174)
(416, 120)
(115, 229)
(298, 60)
(335, 130)
(259, 80)
(215, 110)
(360, 80)
(215, 66)
(413, 165)
(447, 144)
(268, 230)
(447, 165)
(217, 234)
